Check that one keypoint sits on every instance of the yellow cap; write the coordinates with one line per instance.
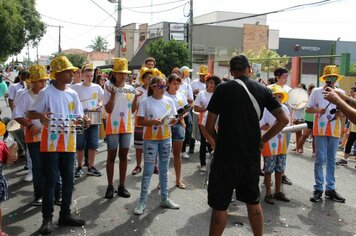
(37, 73)
(121, 65)
(330, 71)
(88, 66)
(203, 70)
(278, 89)
(59, 64)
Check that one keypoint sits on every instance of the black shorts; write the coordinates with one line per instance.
(309, 124)
(225, 176)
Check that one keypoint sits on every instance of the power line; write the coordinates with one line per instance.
(103, 9)
(272, 12)
(74, 23)
(153, 5)
(154, 12)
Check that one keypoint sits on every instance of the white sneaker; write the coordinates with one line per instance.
(140, 209)
(185, 155)
(29, 177)
(203, 169)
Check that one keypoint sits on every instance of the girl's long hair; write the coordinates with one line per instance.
(154, 80)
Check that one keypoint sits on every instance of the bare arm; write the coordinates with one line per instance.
(142, 121)
(199, 108)
(210, 125)
(281, 121)
(109, 106)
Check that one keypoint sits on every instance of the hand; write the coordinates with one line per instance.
(44, 117)
(156, 122)
(35, 130)
(111, 90)
(138, 93)
(331, 95)
(174, 122)
(87, 121)
(12, 157)
(99, 108)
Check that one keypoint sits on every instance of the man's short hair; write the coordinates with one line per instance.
(280, 71)
(150, 59)
(239, 63)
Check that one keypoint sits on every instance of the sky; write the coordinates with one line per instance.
(325, 22)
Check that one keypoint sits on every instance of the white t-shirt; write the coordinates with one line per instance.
(144, 94)
(202, 100)
(13, 90)
(187, 90)
(119, 121)
(152, 108)
(24, 102)
(89, 96)
(64, 105)
(196, 84)
(179, 99)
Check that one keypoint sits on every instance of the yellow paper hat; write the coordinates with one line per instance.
(59, 64)
(143, 71)
(121, 66)
(2, 128)
(203, 70)
(330, 71)
(278, 89)
(88, 66)
(37, 73)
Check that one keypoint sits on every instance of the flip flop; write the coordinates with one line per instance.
(181, 186)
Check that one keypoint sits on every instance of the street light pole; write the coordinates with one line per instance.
(191, 34)
(118, 29)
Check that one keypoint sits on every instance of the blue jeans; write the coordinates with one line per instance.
(37, 168)
(150, 150)
(325, 151)
(52, 163)
(89, 139)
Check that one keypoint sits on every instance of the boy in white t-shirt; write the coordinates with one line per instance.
(91, 96)
(54, 106)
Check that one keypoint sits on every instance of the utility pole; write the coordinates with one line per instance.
(59, 40)
(190, 36)
(118, 29)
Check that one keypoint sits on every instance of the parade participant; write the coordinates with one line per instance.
(298, 118)
(23, 75)
(8, 155)
(178, 130)
(308, 118)
(236, 163)
(326, 132)
(118, 106)
(281, 77)
(77, 77)
(32, 128)
(58, 148)
(275, 150)
(145, 78)
(155, 115)
(150, 63)
(200, 104)
(199, 84)
(187, 90)
(91, 96)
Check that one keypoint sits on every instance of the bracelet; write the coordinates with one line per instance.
(30, 126)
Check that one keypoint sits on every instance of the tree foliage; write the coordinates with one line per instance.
(99, 44)
(269, 59)
(20, 24)
(77, 60)
(168, 54)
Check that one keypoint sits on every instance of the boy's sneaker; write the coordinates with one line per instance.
(29, 177)
(46, 227)
(316, 196)
(185, 155)
(167, 203)
(69, 220)
(341, 162)
(333, 195)
(37, 201)
(110, 191)
(285, 180)
(93, 172)
(269, 199)
(281, 197)
(122, 192)
(58, 200)
(203, 169)
(78, 172)
(140, 209)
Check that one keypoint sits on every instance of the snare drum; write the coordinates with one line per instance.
(95, 117)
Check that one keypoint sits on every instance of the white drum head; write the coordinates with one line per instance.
(13, 125)
(298, 98)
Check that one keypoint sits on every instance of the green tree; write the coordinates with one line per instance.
(269, 59)
(168, 54)
(99, 44)
(20, 24)
(77, 60)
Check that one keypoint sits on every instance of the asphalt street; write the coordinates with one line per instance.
(115, 216)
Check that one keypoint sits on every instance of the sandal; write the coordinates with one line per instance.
(137, 170)
(181, 185)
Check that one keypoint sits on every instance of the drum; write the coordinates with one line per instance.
(95, 117)
(297, 98)
(13, 125)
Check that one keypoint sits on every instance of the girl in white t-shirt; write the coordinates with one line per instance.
(200, 104)
(178, 130)
(156, 115)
